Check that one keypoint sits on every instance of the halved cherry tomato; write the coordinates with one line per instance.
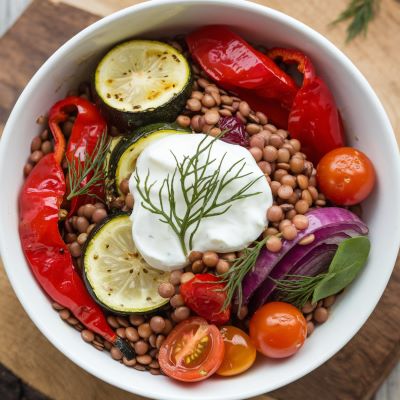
(345, 176)
(205, 294)
(278, 329)
(240, 352)
(192, 351)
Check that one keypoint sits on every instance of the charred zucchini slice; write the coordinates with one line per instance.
(115, 274)
(142, 81)
(125, 153)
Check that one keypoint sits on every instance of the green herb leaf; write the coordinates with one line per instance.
(361, 13)
(348, 261)
(85, 175)
(240, 268)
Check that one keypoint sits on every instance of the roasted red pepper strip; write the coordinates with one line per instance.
(87, 130)
(47, 254)
(314, 118)
(233, 63)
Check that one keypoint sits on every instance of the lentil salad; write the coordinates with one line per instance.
(293, 183)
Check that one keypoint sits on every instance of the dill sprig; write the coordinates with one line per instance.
(361, 13)
(240, 268)
(88, 173)
(202, 191)
(298, 290)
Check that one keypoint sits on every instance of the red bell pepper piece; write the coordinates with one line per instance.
(314, 118)
(47, 254)
(233, 63)
(87, 130)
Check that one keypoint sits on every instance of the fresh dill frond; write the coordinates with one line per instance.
(88, 173)
(361, 13)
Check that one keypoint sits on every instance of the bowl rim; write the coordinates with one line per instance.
(71, 43)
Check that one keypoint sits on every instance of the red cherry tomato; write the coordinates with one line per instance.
(192, 351)
(240, 352)
(345, 176)
(278, 329)
(206, 298)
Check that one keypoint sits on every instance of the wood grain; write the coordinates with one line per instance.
(354, 373)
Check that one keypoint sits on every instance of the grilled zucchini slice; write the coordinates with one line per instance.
(142, 81)
(125, 153)
(115, 274)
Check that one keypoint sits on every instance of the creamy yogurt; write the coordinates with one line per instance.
(232, 231)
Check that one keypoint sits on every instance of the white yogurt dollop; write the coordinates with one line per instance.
(232, 231)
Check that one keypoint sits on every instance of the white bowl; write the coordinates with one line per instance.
(367, 127)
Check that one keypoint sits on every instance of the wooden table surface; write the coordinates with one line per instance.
(28, 354)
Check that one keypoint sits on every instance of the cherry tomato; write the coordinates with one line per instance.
(240, 352)
(206, 298)
(278, 329)
(345, 176)
(192, 351)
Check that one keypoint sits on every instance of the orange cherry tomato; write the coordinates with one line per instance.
(192, 351)
(278, 329)
(240, 352)
(345, 176)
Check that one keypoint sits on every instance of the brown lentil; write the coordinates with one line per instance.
(274, 244)
(132, 334)
(308, 308)
(116, 353)
(136, 320)
(168, 327)
(300, 222)
(82, 238)
(289, 232)
(129, 363)
(183, 121)
(285, 191)
(98, 215)
(307, 240)
(36, 156)
(329, 301)
(175, 277)
(274, 214)
(144, 330)
(124, 186)
(181, 313)
(222, 267)
(159, 341)
(87, 335)
(301, 206)
(198, 266)
(129, 202)
(320, 314)
(310, 328)
(121, 333)
(166, 290)
(257, 153)
(144, 359)
(157, 324)
(75, 249)
(152, 340)
(186, 277)
(81, 224)
(257, 141)
(176, 301)
(270, 153)
(46, 147)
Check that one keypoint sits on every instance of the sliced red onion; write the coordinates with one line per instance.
(325, 223)
(236, 132)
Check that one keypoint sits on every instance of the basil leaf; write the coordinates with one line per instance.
(349, 259)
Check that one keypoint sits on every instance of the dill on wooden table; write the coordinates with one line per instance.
(361, 13)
